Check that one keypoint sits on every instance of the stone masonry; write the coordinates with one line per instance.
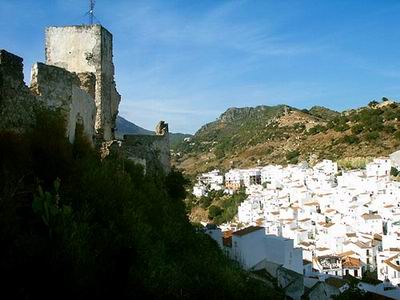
(59, 89)
(16, 102)
(151, 151)
(88, 48)
(78, 81)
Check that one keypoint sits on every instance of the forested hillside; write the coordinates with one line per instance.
(74, 226)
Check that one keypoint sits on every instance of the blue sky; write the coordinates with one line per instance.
(188, 61)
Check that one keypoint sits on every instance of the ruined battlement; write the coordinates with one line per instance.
(16, 102)
(11, 66)
(88, 48)
(77, 80)
(59, 89)
(151, 151)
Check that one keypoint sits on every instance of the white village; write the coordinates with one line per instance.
(312, 228)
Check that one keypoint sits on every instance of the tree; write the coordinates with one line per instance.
(394, 172)
(373, 103)
(293, 156)
(214, 211)
(372, 136)
(351, 139)
(356, 129)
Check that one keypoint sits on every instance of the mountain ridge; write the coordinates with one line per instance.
(243, 137)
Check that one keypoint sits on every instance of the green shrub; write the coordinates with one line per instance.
(219, 152)
(394, 172)
(373, 103)
(353, 162)
(230, 207)
(341, 127)
(372, 136)
(390, 114)
(389, 129)
(214, 211)
(205, 201)
(290, 155)
(351, 139)
(356, 129)
(317, 129)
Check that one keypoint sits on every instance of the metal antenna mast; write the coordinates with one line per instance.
(92, 3)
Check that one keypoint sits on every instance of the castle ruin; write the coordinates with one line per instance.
(78, 81)
(88, 48)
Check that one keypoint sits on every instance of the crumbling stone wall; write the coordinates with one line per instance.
(16, 102)
(67, 92)
(51, 87)
(151, 151)
(88, 48)
(78, 81)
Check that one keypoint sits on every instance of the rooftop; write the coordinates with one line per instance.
(247, 230)
(361, 245)
(371, 217)
(351, 263)
(390, 263)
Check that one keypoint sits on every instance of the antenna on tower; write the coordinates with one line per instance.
(92, 3)
(90, 13)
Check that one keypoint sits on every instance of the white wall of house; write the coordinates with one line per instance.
(249, 249)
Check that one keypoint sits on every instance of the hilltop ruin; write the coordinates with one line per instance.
(78, 81)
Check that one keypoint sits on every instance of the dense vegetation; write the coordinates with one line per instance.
(220, 208)
(75, 226)
(245, 137)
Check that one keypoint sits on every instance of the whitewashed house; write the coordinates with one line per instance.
(388, 266)
(370, 223)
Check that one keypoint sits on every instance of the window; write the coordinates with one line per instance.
(355, 273)
(347, 272)
(367, 252)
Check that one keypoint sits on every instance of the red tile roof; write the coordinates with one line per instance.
(247, 230)
(351, 263)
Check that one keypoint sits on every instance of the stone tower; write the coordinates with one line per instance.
(88, 48)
